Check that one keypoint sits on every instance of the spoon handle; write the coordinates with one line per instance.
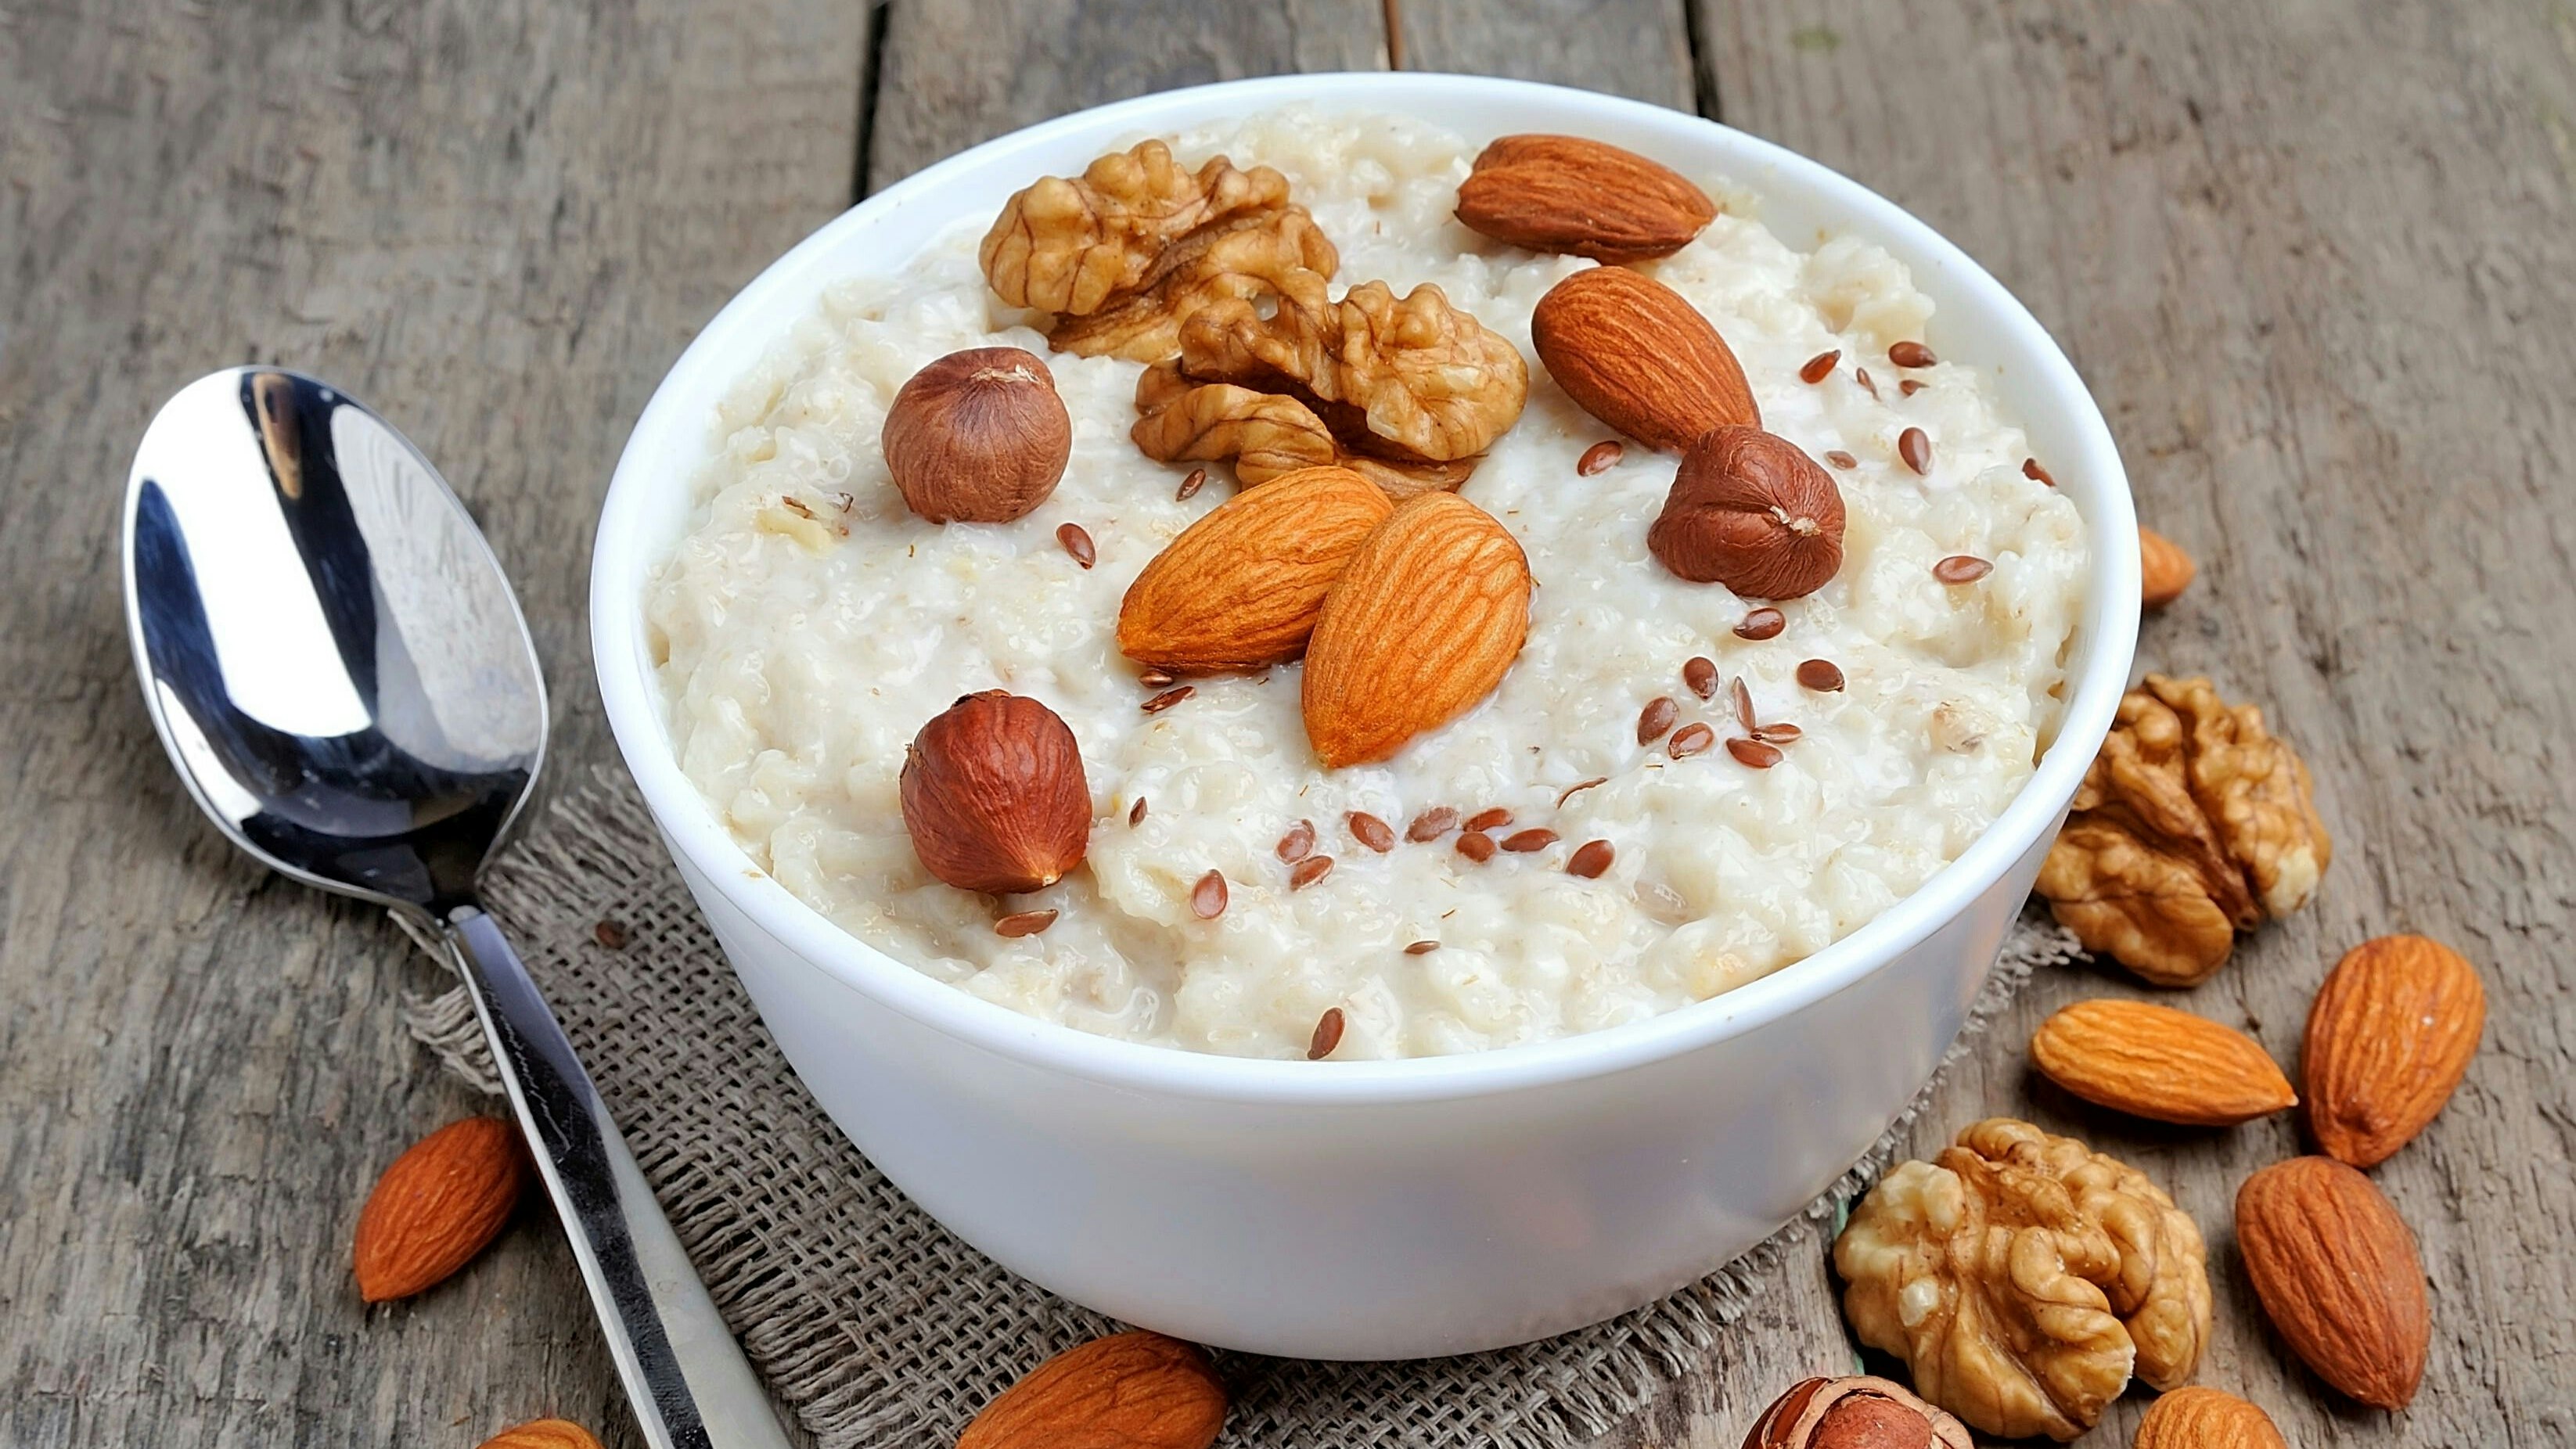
(684, 1373)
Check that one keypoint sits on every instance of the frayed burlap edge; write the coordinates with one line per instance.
(879, 1327)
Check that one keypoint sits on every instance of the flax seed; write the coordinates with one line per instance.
(1753, 754)
(1431, 824)
(1656, 719)
(1700, 673)
(1328, 1035)
(1915, 447)
(1024, 923)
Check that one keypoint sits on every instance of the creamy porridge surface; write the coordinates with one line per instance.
(800, 661)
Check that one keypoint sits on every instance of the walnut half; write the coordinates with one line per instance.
(2024, 1277)
(2192, 824)
(1409, 392)
(1125, 251)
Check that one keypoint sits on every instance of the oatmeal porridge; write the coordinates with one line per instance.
(1672, 790)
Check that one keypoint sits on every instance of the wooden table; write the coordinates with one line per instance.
(2316, 257)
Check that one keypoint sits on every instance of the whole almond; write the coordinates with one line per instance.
(994, 795)
(2156, 1062)
(2197, 1418)
(1568, 194)
(544, 1434)
(2337, 1272)
(1126, 1391)
(1751, 511)
(1635, 354)
(437, 1206)
(1241, 588)
(2164, 569)
(1426, 619)
(2389, 1037)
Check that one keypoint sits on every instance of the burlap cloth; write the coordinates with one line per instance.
(875, 1324)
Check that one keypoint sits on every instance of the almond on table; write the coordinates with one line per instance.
(1125, 1391)
(438, 1205)
(2389, 1038)
(2154, 1061)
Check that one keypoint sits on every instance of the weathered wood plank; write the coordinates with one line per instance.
(1637, 48)
(955, 74)
(2310, 255)
(499, 222)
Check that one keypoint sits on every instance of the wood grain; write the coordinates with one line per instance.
(957, 74)
(498, 222)
(2315, 258)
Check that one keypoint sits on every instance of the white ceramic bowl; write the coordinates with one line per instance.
(1368, 1209)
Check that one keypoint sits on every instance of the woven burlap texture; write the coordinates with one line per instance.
(878, 1326)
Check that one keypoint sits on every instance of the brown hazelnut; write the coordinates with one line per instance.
(1752, 512)
(978, 436)
(1854, 1413)
(994, 796)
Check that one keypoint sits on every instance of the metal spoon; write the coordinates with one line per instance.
(339, 670)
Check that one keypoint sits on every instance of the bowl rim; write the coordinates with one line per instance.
(630, 695)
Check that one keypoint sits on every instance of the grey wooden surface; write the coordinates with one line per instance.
(2316, 258)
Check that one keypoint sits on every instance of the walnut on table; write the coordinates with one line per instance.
(1409, 392)
(2023, 1278)
(2192, 824)
(1124, 252)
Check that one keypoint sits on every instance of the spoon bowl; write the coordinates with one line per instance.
(330, 651)
(339, 670)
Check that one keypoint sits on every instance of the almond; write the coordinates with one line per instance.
(994, 795)
(1422, 625)
(2156, 1062)
(544, 1434)
(2164, 569)
(1750, 510)
(2337, 1272)
(1567, 194)
(437, 1206)
(1241, 588)
(2198, 1418)
(1126, 1391)
(2389, 1037)
(1633, 353)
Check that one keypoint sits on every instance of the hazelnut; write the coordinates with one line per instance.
(1854, 1413)
(978, 436)
(1752, 512)
(994, 796)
